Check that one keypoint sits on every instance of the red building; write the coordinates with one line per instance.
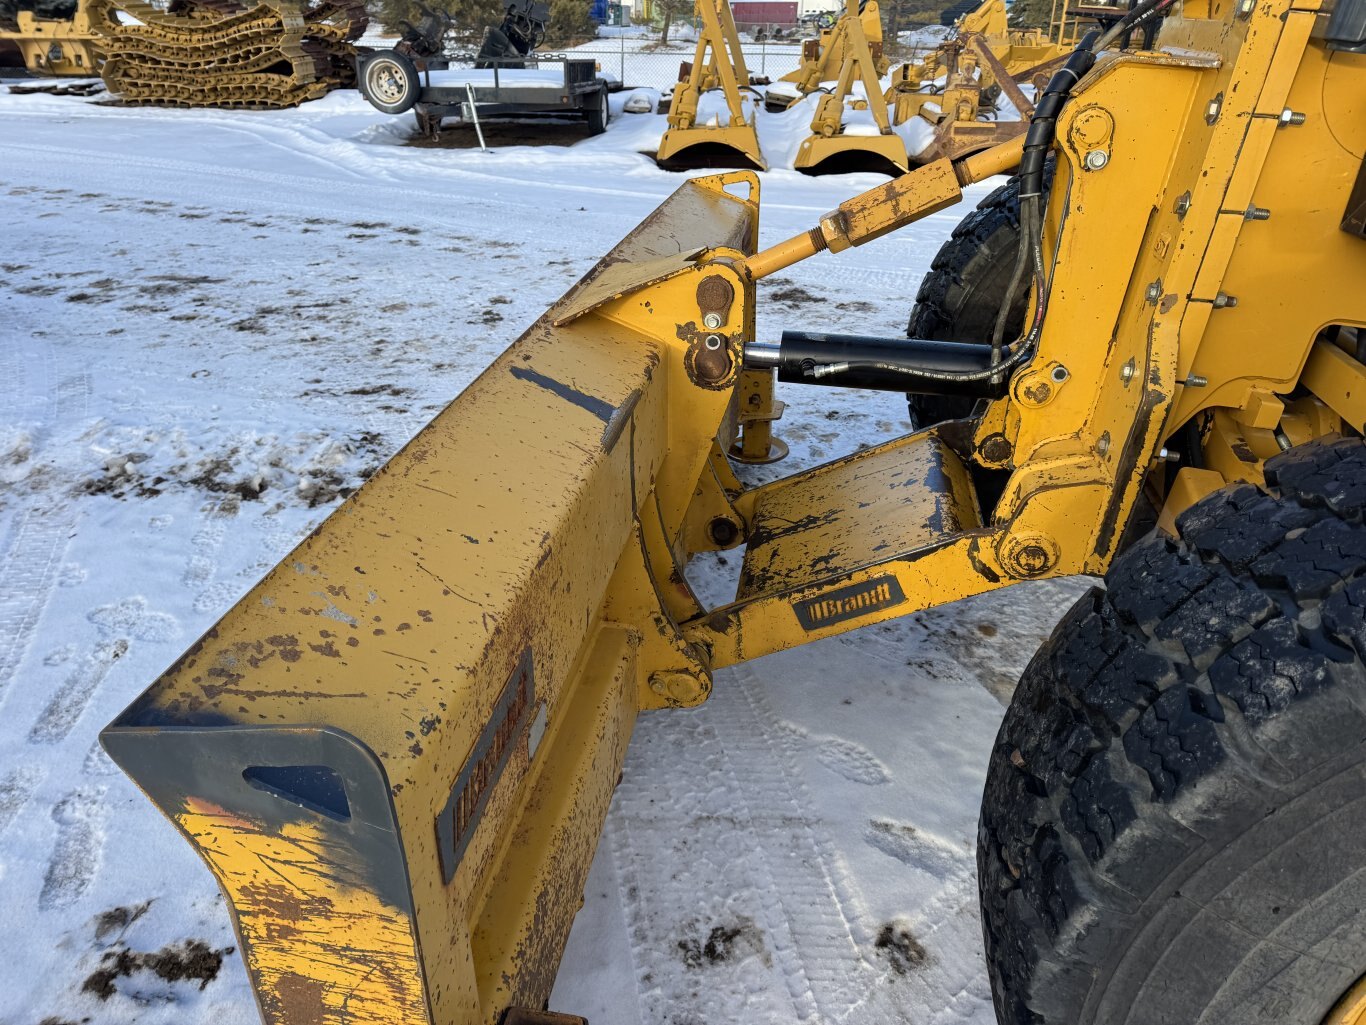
(764, 12)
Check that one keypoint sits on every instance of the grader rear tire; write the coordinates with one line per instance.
(1173, 829)
(962, 292)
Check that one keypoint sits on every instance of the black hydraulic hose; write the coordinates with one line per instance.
(1043, 125)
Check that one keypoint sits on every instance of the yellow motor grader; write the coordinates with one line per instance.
(396, 752)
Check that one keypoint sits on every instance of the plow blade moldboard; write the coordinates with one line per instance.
(710, 146)
(396, 752)
(844, 154)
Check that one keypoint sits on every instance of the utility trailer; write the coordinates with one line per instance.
(477, 88)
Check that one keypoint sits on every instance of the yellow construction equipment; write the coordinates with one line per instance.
(63, 46)
(723, 137)
(395, 753)
(823, 59)
(835, 145)
(982, 60)
(221, 53)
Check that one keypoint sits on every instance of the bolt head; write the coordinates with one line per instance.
(1097, 159)
(712, 321)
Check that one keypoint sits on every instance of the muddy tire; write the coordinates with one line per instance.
(963, 290)
(1172, 825)
(389, 80)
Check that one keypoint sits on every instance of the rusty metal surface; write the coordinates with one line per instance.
(219, 53)
(854, 513)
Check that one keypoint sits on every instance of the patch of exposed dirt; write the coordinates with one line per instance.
(506, 133)
(899, 947)
(192, 961)
(793, 295)
(110, 925)
(723, 943)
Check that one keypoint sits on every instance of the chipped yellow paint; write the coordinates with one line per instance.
(321, 947)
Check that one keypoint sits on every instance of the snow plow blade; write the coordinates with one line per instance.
(845, 154)
(396, 752)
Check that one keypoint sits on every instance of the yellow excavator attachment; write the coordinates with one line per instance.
(835, 147)
(721, 138)
(823, 58)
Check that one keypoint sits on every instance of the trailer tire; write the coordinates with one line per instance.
(962, 292)
(596, 112)
(389, 80)
(1170, 829)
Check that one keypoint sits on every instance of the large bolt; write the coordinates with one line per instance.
(1290, 117)
(995, 448)
(712, 361)
(678, 686)
(1030, 556)
(1097, 159)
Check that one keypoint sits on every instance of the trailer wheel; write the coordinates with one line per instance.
(962, 292)
(1172, 825)
(389, 81)
(596, 112)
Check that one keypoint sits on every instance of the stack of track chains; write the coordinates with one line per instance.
(220, 53)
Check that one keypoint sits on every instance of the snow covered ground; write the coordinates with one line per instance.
(213, 326)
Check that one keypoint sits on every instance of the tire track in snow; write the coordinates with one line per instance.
(738, 814)
(30, 566)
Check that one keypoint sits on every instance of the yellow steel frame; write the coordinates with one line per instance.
(396, 752)
(823, 58)
(69, 48)
(828, 139)
(718, 62)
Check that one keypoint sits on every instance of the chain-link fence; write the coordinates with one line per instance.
(769, 52)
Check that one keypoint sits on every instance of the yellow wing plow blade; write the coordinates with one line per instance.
(396, 752)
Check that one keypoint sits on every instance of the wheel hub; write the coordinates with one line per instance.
(386, 84)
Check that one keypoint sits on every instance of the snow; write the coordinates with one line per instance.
(213, 325)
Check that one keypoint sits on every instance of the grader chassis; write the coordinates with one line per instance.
(396, 752)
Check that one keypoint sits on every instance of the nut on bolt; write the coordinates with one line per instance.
(723, 531)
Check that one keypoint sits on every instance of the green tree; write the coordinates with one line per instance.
(469, 18)
(1031, 13)
(670, 10)
(571, 23)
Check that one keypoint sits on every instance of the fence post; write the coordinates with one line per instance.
(622, 39)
